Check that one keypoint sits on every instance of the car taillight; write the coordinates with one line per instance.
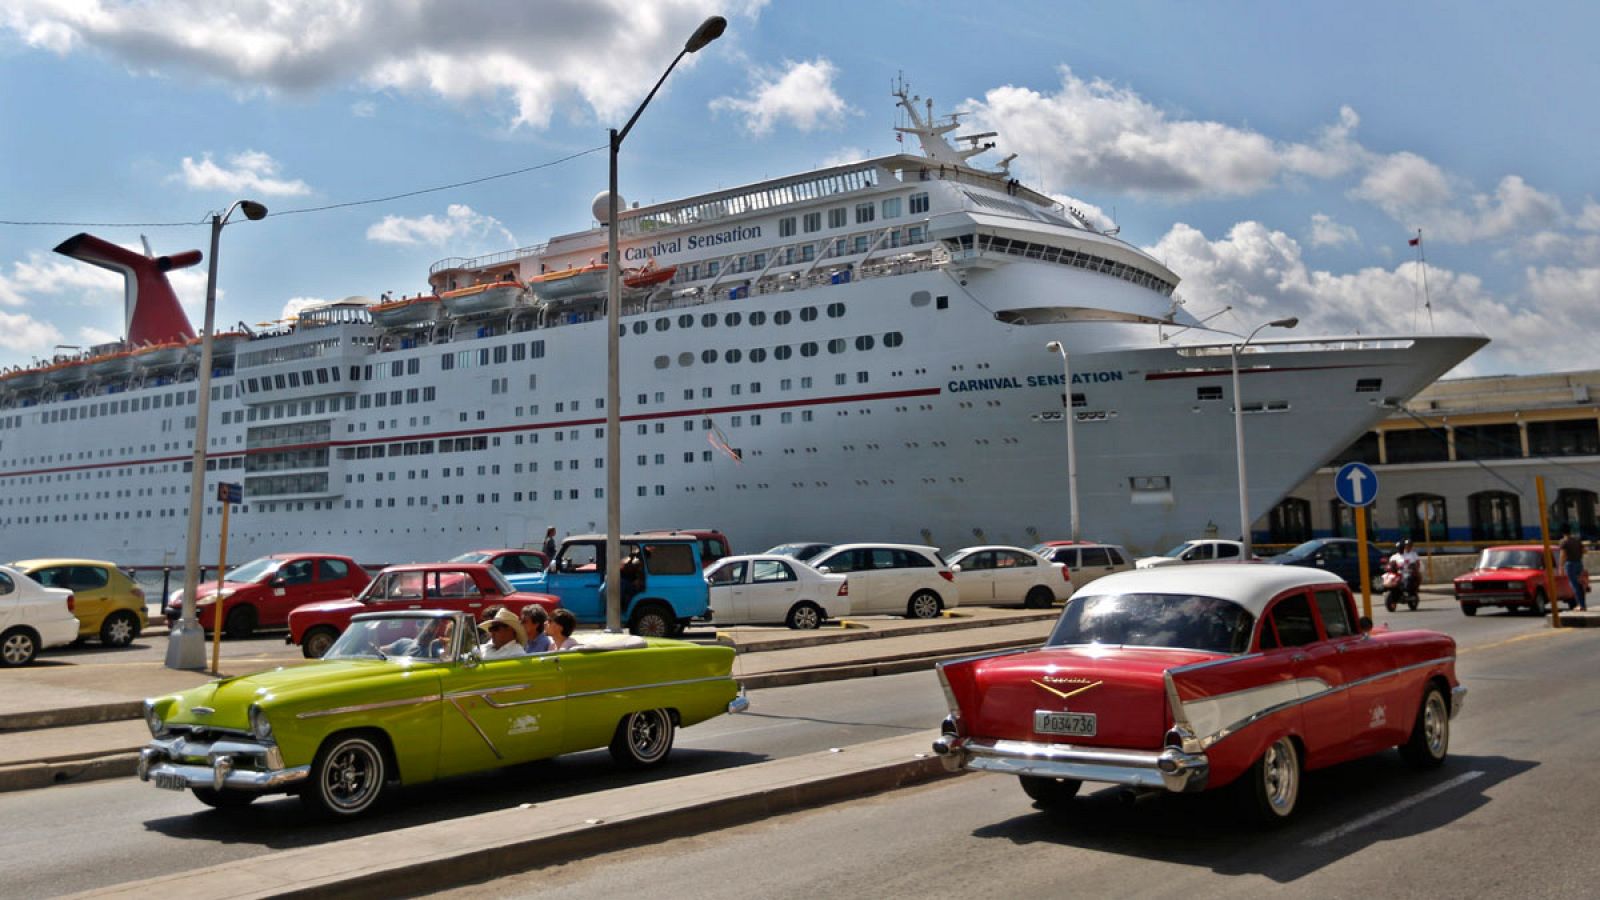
(72, 604)
(947, 575)
(1066, 575)
(844, 588)
(138, 594)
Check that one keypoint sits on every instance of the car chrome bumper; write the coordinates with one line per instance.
(1458, 699)
(1171, 769)
(230, 763)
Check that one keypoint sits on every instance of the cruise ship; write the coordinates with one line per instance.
(853, 353)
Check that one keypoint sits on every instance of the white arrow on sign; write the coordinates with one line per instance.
(1357, 479)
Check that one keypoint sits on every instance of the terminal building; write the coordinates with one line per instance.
(1457, 464)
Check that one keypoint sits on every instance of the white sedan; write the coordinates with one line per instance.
(1209, 550)
(764, 588)
(32, 617)
(1009, 575)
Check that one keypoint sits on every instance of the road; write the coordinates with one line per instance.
(1508, 816)
(124, 830)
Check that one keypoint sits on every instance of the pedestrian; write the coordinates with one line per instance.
(1572, 556)
(550, 542)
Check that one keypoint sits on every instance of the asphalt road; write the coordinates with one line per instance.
(1509, 815)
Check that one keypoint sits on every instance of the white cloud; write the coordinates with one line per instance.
(801, 95)
(460, 221)
(537, 55)
(25, 334)
(1097, 217)
(295, 305)
(1093, 135)
(38, 275)
(1589, 218)
(251, 172)
(363, 109)
(844, 155)
(89, 335)
(1418, 194)
(1543, 326)
(1325, 232)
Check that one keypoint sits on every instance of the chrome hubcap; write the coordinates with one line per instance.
(805, 618)
(17, 648)
(1435, 725)
(351, 777)
(120, 632)
(925, 607)
(647, 732)
(1281, 775)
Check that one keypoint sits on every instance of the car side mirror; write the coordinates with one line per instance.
(824, 569)
(956, 567)
(470, 659)
(1365, 624)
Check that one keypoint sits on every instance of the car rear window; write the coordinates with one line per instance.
(1155, 620)
(1095, 556)
(333, 569)
(670, 559)
(905, 559)
(88, 578)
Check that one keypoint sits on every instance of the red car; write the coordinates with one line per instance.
(1194, 678)
(1512, 576)
(460, 587)
(260, 593)
(509, 562)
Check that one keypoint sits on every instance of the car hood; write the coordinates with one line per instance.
(1123, 687)
(230, 699)
(209, 588)
(1147, 562)
(1476, 574)
(346, 605)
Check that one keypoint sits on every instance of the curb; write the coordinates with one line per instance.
(858, 632)
(28, 776)
(846, 671)
(433, 857)
(72, 715)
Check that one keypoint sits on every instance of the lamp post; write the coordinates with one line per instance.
(186, 645)
(1072, 446)
(709, 30)
(1238, 427)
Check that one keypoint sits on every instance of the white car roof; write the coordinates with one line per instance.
(873, 546)
(1023, 550)
(1251, 585)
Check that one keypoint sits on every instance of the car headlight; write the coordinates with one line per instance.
(259, 725)
(152, 718)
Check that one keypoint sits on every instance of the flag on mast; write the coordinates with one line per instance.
(1416, 241)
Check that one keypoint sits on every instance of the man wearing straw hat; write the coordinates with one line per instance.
(506, 636)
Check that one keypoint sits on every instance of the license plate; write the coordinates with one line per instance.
(1065, 723)
(169, 781)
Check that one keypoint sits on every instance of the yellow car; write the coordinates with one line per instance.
(106, 601)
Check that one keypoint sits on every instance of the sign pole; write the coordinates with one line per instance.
(1366, 568)
(1549, 560)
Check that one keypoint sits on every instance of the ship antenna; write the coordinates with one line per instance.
(1422, 270)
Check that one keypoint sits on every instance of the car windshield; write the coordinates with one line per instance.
(1306, 549)
(1179, 550)
(500, 581)
(1510, 559)
(1155, 620)
(254, 570)
(397, 638)
(796, 551)
(473, 557)
(960, 555)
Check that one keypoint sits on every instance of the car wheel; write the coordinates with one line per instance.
(347, 777)
(241, 623)
(119, 629)
(652, 620)
(224, 799)
(642, 739)
(923, 605)
(18, 647)
(1047, 792)
(1039, 598)
(1271, 787)
(805, 616)
(316, 642)
(1469, 610)
(1541, 606)
(1429, 743)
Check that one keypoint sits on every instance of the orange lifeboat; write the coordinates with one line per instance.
(649, 275)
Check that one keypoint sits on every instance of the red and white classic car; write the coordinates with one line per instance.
(1194, 678)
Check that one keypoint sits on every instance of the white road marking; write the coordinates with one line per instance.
(1373, 817)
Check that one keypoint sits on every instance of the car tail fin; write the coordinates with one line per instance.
(947, 575)
(72, 603)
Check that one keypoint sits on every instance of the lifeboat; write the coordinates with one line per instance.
(66, 372)
(649, 276)
(22, 379)
(569, 282)
(399, 313)
(111, 365)
(222, 345)
(494, 296)
(160, 356)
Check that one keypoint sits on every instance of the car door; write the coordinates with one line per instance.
(575, 578)
(730, 602)
(1015, 574)
(773, 590)
(332, 580)
(92, 595)
(1291, 632)
(976, 580)
(399, 590)
(857, 563)
(1367, 666)
(501, 712)
(1226, 553)
(89, 610)
(1199, 553)
(1093, 562)
(456, 591)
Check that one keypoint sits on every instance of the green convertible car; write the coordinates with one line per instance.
(403, 698)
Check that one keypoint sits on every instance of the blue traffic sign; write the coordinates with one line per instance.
(230, 493)
(1356, 484)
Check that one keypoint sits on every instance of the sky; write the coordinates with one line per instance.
(1277, 156)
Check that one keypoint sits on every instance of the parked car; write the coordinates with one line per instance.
(312, 729)
(1513, 577)
(1086, 560)
(1341, 556)
(769, 588)
(801, 550)
(998, 574)
(1209, 550)
(108, 604)
(674, 590)
(32, 617)
(1200, 678)
(714, 544)
(515, 565)
(893, 579)
(261, 593)
(459, 587)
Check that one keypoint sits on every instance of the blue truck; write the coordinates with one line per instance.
(663, 586)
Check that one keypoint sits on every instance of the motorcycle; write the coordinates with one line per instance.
(1400, 584)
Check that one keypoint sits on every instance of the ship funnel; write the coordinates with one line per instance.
(151, 310)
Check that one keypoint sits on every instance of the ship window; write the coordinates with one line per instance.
(1209, 392)
(499, 356)
(837, 217)
(836, 345)
(708, 356)
(732, 356)
(712, 268)
(662, 324)
(446, 363)
(758, 319)
(662, 362)
(782, 317)
(708, 320)
(893, 339)
(1369, 385)
(919, 203)
(891, 208)
(685, 359)
(518, 352)
(686, 321)
(813, 222)
(808, 253)
(536, 350)
(640, 327)
(782, 351)
(758, 355)
(732, 319)
(809, 348)
(786, 227)
(865, 212)
(808, 314)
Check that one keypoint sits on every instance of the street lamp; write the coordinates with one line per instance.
(1238, 426)
(186, 645)
(709, 30)
(1072, 446)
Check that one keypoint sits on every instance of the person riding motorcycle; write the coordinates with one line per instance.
(1402, 576)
